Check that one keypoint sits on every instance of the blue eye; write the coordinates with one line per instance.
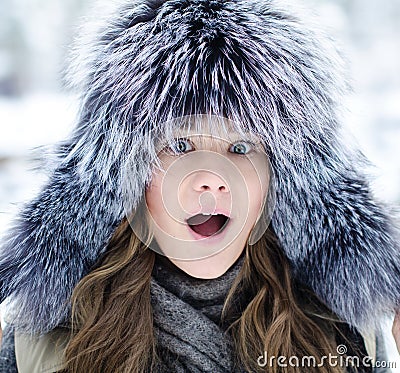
(181, 145)
(242, 147)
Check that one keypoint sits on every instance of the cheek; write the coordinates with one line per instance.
(256, 195)
(255, 175)
(257, 186)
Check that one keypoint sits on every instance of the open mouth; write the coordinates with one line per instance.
(208, 224)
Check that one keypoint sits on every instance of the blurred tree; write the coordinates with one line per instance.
(13, 51)
(34, 40)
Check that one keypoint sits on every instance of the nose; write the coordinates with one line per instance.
(207, 181)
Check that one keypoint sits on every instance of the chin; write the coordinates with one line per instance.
(203, 273)
(208, 268)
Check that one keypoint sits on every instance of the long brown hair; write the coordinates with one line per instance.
(113, 325)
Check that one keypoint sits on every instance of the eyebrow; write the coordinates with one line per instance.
(234, 137)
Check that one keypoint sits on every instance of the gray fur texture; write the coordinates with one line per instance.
(255, 62)
(8, 363)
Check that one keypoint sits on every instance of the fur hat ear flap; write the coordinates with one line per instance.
(342, 243)
(59, 236)
(56, 239)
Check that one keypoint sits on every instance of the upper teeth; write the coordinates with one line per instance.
(204, 213)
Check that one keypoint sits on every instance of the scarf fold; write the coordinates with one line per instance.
(187, 312)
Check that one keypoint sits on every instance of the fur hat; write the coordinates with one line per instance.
(253, 62)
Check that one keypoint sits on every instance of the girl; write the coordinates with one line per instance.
(204, 215)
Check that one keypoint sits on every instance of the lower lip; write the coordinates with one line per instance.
(213, 238)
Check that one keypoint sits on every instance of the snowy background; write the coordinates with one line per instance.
(36, 109)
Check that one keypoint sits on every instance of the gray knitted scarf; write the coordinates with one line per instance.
(187, 319)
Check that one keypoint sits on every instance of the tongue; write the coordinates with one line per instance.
(207, 225)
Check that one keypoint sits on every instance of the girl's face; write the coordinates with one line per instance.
(206, 199)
